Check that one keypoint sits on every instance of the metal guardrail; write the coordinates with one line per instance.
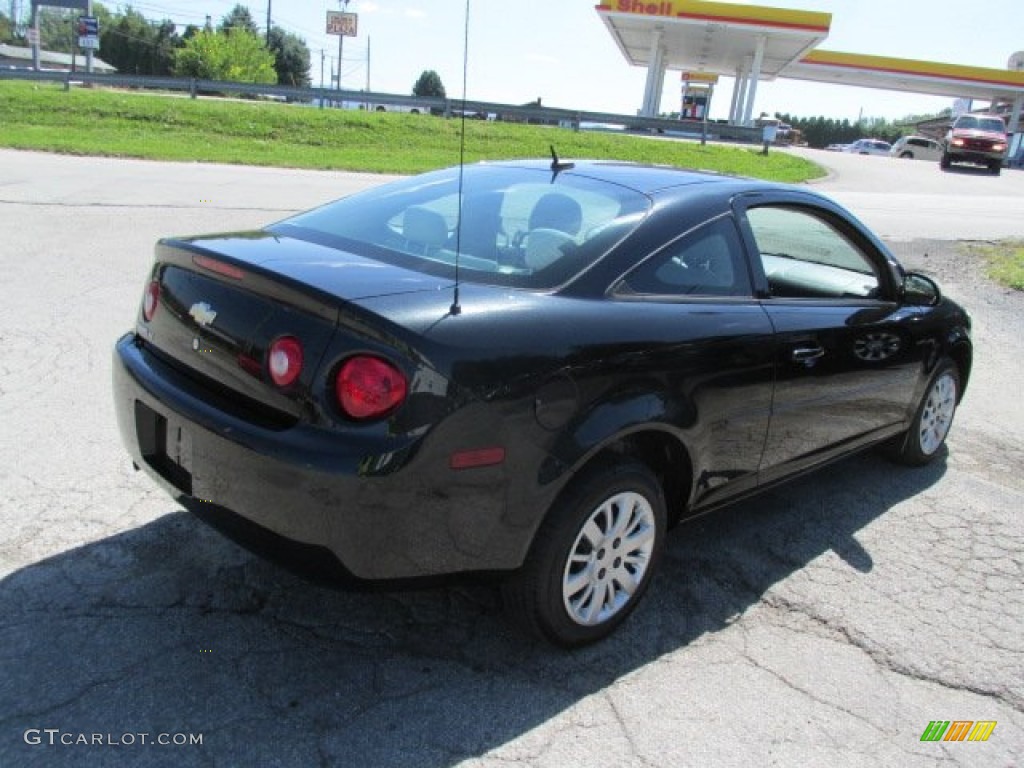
(575, 119)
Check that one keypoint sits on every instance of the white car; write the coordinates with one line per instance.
(868, 147)
(916, 148)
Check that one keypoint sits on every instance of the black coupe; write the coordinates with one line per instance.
(529, 368)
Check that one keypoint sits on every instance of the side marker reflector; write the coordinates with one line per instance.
(480, 457)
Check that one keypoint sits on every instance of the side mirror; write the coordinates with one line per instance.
(920, 291)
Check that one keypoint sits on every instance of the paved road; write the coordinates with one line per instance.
(916, 199)
(823, 624)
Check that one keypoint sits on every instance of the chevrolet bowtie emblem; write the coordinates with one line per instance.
(202, 313)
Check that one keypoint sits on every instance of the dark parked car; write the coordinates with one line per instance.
(596, 353)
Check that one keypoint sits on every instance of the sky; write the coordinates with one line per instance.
(561, 52)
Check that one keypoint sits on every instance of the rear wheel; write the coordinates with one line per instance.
(592, 558)
(907, 156)
(927, 434)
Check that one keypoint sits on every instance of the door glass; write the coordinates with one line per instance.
(805, 257)
(708, 262)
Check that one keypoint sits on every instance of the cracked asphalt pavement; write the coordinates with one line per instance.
(825, 623)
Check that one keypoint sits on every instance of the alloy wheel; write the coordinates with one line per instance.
(609, 558)
(937, 414)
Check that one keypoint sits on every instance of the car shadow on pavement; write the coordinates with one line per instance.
(171, 629)
(968, 170)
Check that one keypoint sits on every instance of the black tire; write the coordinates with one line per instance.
(944, 161)
(607, 577)
(996, 166)
(907, 156)
(920, 444)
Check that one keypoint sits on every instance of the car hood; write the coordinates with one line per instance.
(339, 273)
(974, 133)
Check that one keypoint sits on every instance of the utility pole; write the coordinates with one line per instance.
(268, 22)
(341, 42)
(367, 73)
(34, 36)
(88, 53)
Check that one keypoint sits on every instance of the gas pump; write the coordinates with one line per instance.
(698, 88)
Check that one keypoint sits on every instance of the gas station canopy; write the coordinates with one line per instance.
(753, 43)
(714, 37)
(953, 80)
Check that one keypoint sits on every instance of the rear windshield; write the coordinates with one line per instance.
(522, 227)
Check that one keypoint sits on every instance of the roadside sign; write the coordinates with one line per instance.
(344, 24)
(89, 33)
(88, 26)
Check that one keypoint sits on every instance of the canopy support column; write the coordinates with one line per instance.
(737, 86)
(755, 75)
(1018, 103)
(655, 77)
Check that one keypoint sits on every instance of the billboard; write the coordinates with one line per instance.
(341, 23)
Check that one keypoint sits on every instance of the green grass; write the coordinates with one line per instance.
(42, 116)
(1004, 261)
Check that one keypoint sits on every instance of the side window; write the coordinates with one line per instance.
(707, 262)
(805, 257)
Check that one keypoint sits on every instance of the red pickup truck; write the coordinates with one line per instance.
(977, 139)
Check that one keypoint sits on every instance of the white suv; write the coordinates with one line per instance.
(916, 148)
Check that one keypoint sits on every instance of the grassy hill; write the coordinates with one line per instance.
(94, 121)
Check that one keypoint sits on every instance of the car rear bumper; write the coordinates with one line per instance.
(382, 506)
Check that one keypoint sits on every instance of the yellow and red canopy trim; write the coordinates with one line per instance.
(888, 65)
(725, 13)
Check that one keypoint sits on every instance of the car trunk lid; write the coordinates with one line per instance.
(225, 300)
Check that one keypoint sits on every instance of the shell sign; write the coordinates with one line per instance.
(663, 8)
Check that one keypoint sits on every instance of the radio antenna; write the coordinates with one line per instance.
(455, 308)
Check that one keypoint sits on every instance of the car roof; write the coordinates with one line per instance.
(645, 179)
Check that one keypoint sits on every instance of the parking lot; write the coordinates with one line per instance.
(825, 623)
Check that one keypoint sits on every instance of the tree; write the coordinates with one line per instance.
(55, 29)
(429, 84)
(237, 56)
(239, 19)
(138, 46)
(6, 30)
(291, 58)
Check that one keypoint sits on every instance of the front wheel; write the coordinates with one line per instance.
(927, 433)
(907, 156)
(593, 556)
(996, 167)
(944, 161)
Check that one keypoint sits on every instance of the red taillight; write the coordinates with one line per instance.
(284, 360)
(368, 387)
(150, 300)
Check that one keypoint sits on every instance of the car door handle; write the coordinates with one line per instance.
(805, 354)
